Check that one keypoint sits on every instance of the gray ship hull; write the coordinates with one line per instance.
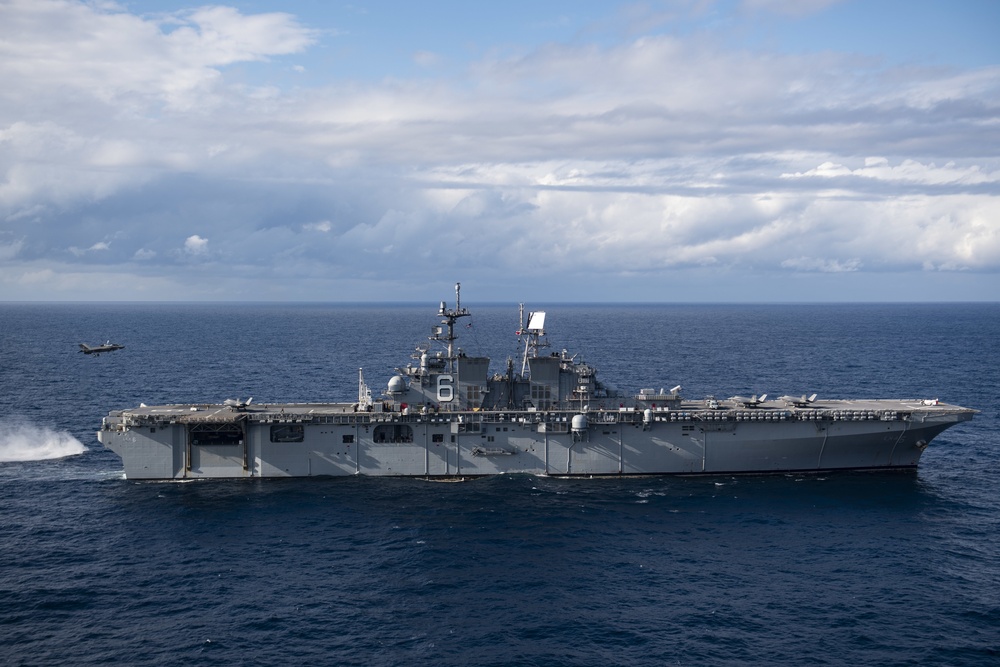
(189, 441)
(447, 416)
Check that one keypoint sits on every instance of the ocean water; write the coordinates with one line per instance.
(872, 569)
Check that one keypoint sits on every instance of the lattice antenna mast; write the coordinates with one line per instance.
(533, 332)
(450, 317)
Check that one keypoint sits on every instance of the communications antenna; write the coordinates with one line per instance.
(450, 317)
(533, 331)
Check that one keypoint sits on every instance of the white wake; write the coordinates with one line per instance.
(21, 441)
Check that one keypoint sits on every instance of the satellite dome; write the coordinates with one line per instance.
(397, 385)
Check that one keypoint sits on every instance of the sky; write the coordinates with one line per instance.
(555, 151)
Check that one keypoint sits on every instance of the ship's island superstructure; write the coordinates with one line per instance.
(445, 416)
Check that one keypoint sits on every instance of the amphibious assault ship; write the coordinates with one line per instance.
(445, 416)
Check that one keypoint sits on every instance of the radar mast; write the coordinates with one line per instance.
(450, 317)
(533, 332)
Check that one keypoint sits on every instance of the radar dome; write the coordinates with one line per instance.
(397, 385)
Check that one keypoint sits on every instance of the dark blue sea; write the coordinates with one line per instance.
(833, 569)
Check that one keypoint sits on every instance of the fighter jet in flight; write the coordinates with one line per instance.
(107, 347)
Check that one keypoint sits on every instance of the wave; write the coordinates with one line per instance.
(22, 441)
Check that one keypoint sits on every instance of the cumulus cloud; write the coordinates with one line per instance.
(117, 57)
(195, 245)
(656, 154)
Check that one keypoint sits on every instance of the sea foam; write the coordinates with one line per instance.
(23, 441)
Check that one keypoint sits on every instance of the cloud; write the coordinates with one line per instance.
(217, 35)
(822, 265)
(323, 227)
(195, 245)
(908, 171)
(99, 246)
(10, 250)
(427, 59)
(133, 62)
(788, 7)
(83, 88)
(581, 161)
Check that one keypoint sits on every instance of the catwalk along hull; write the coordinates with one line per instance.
(188, 441)
(447, 416)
